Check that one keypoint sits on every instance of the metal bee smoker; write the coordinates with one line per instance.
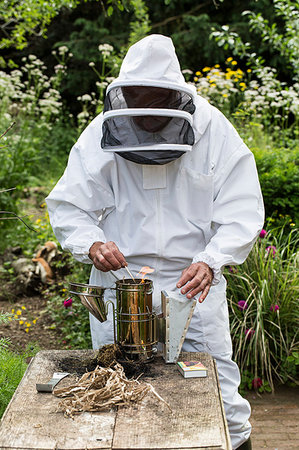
(137, 329)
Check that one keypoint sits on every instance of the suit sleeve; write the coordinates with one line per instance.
(75, 207)
(238, 213)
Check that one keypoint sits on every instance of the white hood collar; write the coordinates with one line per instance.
(152, 62)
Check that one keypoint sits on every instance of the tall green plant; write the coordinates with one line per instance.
(263, 295)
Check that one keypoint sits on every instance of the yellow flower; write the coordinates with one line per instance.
(195, 79)
(213, 85)
(229, 59)
(206, 69)
(224, 95)
(10, 319)
(216, 66)
(43, 205)
(21, 322)
(19, 312)
(212, 80)
(26, 329)
(15, 316)
(234, 63)
(38, 221)
(198, 72)
(12, 311)
(249, 70)
(292, 224)
(28, 324)
(23, 307)
(242, 84)
(34, 321)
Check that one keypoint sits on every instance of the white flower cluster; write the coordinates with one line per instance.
(90, 104)
(28, 92)
(105, 49)
(268, 96)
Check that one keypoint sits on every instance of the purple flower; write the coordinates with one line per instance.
(68, 302)
(274, 308)
(257, 383)
(249, 333)
(242, 304)
(263, 233)
(271, 250)
(232, 269)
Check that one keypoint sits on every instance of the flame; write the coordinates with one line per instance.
(144, 271)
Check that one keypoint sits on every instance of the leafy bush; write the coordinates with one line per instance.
(279, 178)
(262, 296)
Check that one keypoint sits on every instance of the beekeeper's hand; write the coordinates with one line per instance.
(196, 278)
(106, 256)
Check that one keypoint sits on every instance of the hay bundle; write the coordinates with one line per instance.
(101, 389)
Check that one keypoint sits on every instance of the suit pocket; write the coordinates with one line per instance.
(196, 196)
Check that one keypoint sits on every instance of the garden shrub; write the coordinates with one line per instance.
(279, 178)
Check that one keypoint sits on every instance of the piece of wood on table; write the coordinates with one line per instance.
(197, 420)
(30, 421)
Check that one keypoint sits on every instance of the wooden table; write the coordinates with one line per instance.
(197, 420)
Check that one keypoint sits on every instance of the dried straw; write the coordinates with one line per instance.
(102, 389)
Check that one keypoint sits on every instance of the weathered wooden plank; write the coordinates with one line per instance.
(196, 422)
(30, 421)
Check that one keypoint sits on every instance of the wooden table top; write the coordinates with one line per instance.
(197, 420)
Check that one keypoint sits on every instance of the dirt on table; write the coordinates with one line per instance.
(107, 356)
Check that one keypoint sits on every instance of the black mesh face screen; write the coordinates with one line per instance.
(136, 131)
(153, 158)
(148, 97)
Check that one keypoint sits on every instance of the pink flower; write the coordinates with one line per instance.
(263, 233)
(242, 304)
(68, 302)
(249, 333)
(257, 383)
(271, 249)
(274, 308)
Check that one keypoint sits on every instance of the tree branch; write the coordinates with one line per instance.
(171, 19)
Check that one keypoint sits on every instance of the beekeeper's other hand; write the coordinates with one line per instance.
(106, 256)
(196, 278)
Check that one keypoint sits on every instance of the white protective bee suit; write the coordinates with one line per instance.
(205, 205)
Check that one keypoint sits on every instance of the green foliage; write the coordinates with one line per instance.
(12, 366)
(262, 295)
(22, 19)
(283, 40)
(139, 27)
(279, 178)
(73, 320)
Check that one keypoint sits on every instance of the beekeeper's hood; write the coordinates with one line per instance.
(148, 109)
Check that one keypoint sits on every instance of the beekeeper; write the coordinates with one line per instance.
(161, 178)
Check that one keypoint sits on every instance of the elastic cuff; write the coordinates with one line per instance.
(210, 261)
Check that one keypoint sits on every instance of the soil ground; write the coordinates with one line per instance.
(42, 332)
